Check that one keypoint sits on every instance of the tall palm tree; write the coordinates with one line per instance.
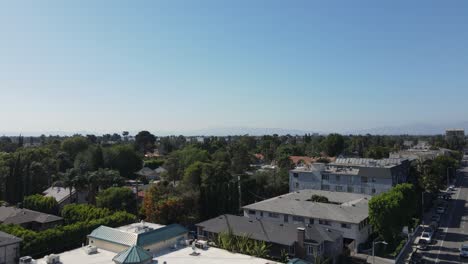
(67, 180)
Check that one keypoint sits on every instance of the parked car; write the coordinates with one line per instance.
(435, 218)
(464, 250)
(422, 244)
(434, 225)
(426, 235)
(452, 188)
(440, 210)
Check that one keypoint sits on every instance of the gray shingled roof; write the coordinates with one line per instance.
(7, 239)
(13, 215)
(353, 207)
(258, 229)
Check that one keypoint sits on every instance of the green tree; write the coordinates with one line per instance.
(74, 145)
(41, 203)
(116, 199)
(124, 159)
(319, 199)
(144, 141)
(333, 144)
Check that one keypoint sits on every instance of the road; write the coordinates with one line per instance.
(453, 229)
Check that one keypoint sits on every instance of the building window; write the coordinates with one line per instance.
(251, 212)
(324, 222)
(310, 250)
(373, 190)
(364, 179)
(337, 178)
(292, 251)
(373, 179)
(344, 225)
(311, 221)
(350, 189)
(297, 185)
(325, 177)
(298, 219)
(286, 218)
(261, 214)
(363, 190)
(339, 188)
(295, 175)
(273, 215)
(326, 187)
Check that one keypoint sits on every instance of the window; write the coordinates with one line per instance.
(292, 251)
(310, 250)
(325, 177)
(373, 190)
(286, 218)
(326, 187)
(337, 178)
(364, 179)
(261, 214)
(350, 189)
(295, 175)
(298, 219)
(339, 188)
(297, 185)
(373, 179)
(311, 221)
(324, 222)
(273, 215)
(344, 225)
(363, 190)
(251, 212)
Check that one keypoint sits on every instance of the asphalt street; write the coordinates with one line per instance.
(453, 229)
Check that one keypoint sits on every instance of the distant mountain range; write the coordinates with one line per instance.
(410, 129)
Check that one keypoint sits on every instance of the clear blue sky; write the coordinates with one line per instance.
(186, 65)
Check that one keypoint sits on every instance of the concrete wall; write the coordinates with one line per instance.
(9, 254)
(102, 244)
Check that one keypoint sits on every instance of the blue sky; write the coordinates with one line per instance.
(188, 65)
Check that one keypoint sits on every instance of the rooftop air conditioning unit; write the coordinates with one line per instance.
(89, 249)
(52, 259)
(27, 260)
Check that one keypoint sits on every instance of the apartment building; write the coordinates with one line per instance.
(347, 213)
(353, 175)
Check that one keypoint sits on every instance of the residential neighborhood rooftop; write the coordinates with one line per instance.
(7, 239)
(13, 215)
(178, 256)
(272, 232)
(59, 193)
(352, 207)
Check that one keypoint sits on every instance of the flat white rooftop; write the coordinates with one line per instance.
(208, 256)
(78, 256)
(179, 256)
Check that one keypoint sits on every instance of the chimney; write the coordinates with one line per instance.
(300, 249)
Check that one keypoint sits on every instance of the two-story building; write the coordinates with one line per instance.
(347, 213)
(354, 175)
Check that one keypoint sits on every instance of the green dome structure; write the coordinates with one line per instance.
(133, 255)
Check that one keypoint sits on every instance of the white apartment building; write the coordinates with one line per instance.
(345, 212)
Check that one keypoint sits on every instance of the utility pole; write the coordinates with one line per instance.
(240, 192)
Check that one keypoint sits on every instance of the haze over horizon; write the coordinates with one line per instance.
(178, 66)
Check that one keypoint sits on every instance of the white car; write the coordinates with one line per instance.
(451, 188)
(464, 250)
(426, 236)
